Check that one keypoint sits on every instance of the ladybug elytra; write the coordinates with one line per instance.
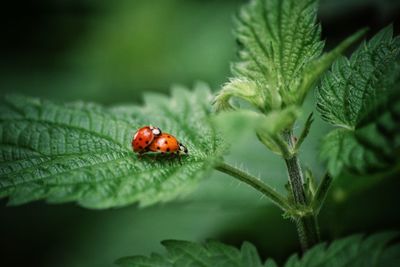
(151, 139)
(144, 137)
(167, 143)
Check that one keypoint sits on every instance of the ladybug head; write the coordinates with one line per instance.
(156, 131)
(183, 149)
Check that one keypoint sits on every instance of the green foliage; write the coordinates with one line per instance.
(278, 39)
(351, 251)
(274, 123)
(354, 251)
(361, 96)
(280, 54)
(280, 59)
(305, 131)
(268, 127)
(240, 88)
(316, 68)
(82, 152)
(354, 84)
(184, 253)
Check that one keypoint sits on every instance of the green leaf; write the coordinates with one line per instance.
(356, 251)
(350, 251)
(370, 149)
(278, 39)
(354, 84)
(304, 132)
(184, 253)
(280, 54)
(316, 68)
(268, 127)
(277, 121)
(240, 88)
(82, 152)
(361, 96)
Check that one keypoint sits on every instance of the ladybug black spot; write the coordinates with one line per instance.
(147, 142)
(169, 136)
(140, 139)
(168, 149)
(166, 142)
(158, 147)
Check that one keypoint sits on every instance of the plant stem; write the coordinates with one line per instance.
(256, 183)
(321, 193)
(307, 225)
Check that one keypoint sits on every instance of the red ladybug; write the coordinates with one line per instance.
(144, 137)
(167, 143)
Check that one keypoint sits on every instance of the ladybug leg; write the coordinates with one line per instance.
(155, 157)
(167, 156)
(158, 156)
(171, 156)
(179, 157)
(141, 153)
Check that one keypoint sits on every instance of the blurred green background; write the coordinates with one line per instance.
(114, 51)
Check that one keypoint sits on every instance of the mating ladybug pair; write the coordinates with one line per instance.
(149, 138)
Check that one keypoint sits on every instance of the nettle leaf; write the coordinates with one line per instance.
(280, 54)
(354, 84)
(82, 152)
(372, 148)
(361, 96)
(278, 39)
(268, 127)
(239, 88)
(210, 254)
(355, 250)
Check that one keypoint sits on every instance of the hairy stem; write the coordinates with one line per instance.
(307, 225)
(256, 183)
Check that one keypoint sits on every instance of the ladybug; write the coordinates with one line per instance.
(167, 143)
(144, 137)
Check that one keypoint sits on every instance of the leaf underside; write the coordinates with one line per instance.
(361, 96)
(82, 152)
(354, 251)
